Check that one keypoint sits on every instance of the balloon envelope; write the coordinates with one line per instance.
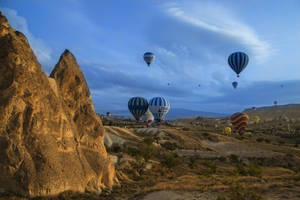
(149, 57)
(234, 84)
(159, 107)
(138, 106)
(227, 130)
(238, 61)
(239, 122)
(148, 117)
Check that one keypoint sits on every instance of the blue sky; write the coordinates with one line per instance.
(191, 39)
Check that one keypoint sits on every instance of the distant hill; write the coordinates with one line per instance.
(291, 111)
(181, 112)
(176, 113)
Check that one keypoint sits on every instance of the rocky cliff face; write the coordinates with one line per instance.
(51, 140)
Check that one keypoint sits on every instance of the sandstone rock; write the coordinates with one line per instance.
(114, 159)
(50, 137)
(148, 166)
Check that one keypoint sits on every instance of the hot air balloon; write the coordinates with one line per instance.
(148, 118)
(199, 85)
(275, 103)
(138, 106)
(238, 61)
(227, 131)
(256, 119)
(168, 84)
(239, 122)
(234, 84)
(159, 107)
(148, 57)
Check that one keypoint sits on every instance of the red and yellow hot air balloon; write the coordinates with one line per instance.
(240, 122)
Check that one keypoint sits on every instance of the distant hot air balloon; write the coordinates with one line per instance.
(239, 122)
(234, 84)
(284, 118)
(253, 108)
(168, 84)
(148, 117)
(238, 61)
(149, 57)
(227, 131)
(199, 85)
(275, 103)
(256, 119)
(159, 107)
(108, 114)
(138, 106)
(281, 86)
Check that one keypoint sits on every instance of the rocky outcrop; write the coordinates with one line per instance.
(51, 139)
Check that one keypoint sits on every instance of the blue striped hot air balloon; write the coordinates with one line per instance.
(238, 61)
(149, 57)
(138, 106)
(159, 107)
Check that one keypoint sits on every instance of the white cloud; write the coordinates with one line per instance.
(216, 19)
(19, 23)
(164, 52)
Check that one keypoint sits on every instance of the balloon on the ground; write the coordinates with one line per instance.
(227, 131)
(149, 57)
(239, 122)
(148, 118)
(138, 106)
(238, 62)
(256, 119)
(234, 84)
(159, 107)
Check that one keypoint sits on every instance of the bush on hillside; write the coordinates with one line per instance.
(171, 160)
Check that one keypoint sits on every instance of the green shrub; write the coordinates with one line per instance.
(211, 165)
(148, 151)
(170, 145)
(133, 151)
(192, 162)
(148, 140)
(241, 170)
(251, 170)
(240, 192)
(171, 160)
(254, 170)
(210, 168)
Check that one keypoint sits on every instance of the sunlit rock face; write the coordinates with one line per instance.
(51, 139)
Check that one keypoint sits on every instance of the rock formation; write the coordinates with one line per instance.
(51, 139)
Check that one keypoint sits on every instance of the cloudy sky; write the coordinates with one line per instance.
(191, 39)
